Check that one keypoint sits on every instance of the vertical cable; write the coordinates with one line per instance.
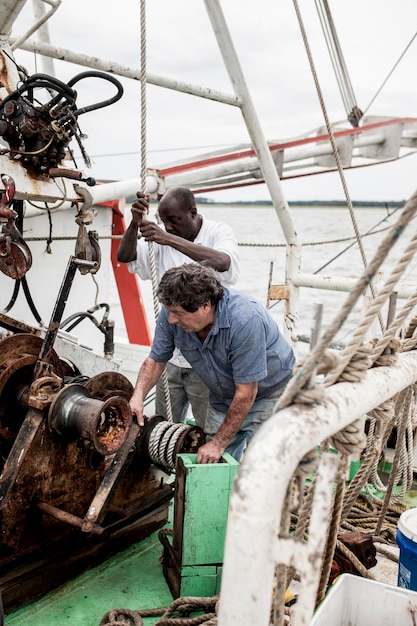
(152, 262)
(334, 149)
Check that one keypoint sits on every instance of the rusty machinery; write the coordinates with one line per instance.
(79, 478)
(40, 118)
(78, 475)
(15, 256)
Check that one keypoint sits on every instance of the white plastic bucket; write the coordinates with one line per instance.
(353, 600)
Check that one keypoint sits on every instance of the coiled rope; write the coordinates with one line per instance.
(408, 343)
(162, 443)
(175, 614)
(375, 307)
(301, 377)
(402, 465)
(351, 364)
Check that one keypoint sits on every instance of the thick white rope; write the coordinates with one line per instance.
(162, 443)
(402, 466)
(376, 305)
(152, 261)
(406, 344)
(314, 358)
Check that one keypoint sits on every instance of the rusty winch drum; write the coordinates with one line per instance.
(75, 413)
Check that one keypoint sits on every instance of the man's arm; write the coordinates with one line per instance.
(239, 408)
(219, 261)
(127, 250)
(148, 376)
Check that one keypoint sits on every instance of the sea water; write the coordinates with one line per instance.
(327, 235)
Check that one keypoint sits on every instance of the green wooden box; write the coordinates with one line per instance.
(193, 561)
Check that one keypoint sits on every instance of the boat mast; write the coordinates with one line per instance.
(353, 112)
(265, 159)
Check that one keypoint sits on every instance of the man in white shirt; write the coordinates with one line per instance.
(185, 235)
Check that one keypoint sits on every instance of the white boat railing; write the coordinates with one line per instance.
(255, 546)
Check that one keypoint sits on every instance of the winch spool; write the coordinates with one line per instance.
(74, 413)
(107, 384)
(163, 440)
(18, 357)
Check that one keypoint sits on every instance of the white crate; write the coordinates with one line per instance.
(357, 601)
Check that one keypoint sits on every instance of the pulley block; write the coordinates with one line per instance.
(15, 257)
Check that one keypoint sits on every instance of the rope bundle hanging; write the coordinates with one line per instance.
(401, 473)
(152, 261)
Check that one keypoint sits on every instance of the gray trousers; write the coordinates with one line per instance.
(185, 389)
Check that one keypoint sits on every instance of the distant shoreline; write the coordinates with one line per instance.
(310, 203)
(366, 204)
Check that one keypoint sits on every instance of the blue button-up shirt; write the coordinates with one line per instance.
(244, 345)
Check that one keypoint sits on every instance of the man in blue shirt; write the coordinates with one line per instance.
(184, 235)
(233, 344)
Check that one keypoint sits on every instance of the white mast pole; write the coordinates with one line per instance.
(264, 155)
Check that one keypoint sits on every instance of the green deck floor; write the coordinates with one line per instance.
(131, 580)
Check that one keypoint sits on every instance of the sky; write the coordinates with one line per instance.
(180, 44)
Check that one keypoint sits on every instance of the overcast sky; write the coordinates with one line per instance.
(181, 45)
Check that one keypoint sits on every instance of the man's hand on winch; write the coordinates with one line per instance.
(136, 405)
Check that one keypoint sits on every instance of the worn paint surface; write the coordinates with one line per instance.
(52, 473)
(133, 579)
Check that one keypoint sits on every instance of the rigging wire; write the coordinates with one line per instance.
(334, 148)
(390, 73)
(368, 232)
(157, 150)
(353, 112)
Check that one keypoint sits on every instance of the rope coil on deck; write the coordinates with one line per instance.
(176, 614)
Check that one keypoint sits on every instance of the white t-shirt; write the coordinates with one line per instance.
(216, 235)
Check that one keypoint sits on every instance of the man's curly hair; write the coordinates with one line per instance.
(190, 286)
